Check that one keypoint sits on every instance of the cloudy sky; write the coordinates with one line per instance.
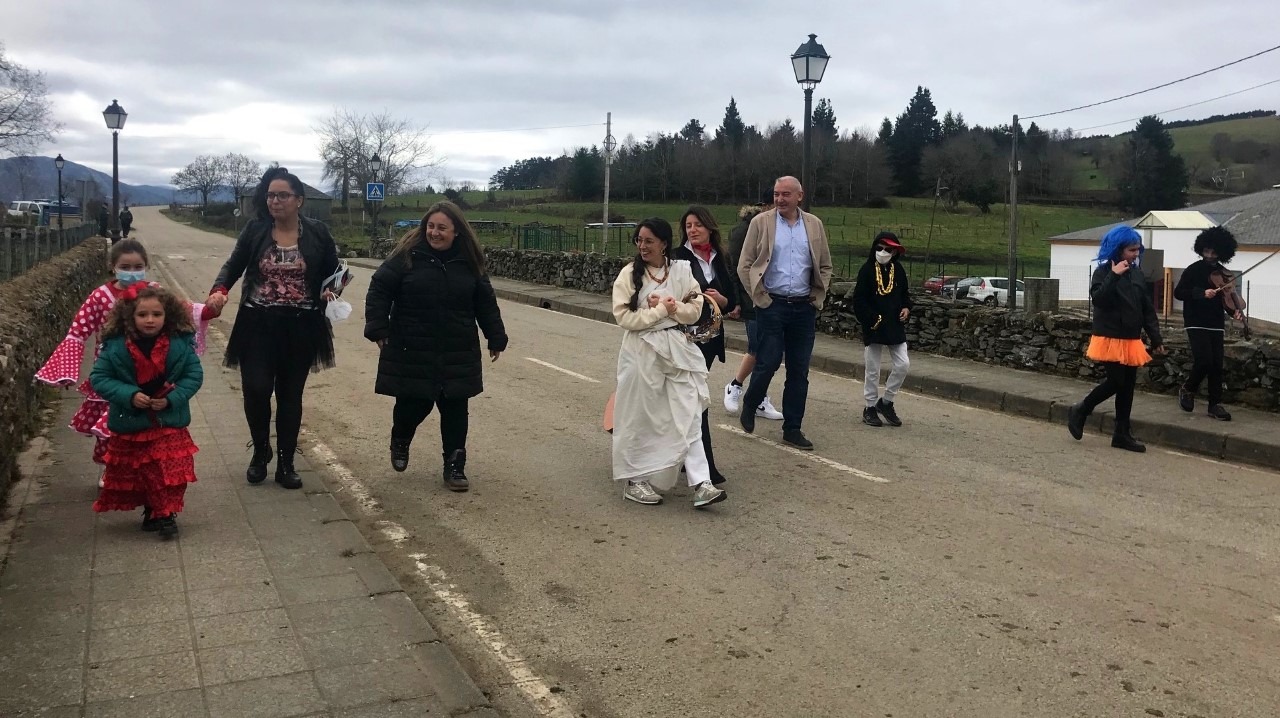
(486, 76)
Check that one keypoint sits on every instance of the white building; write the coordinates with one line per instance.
(1254, 219)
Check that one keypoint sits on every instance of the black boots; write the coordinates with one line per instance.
(257, 471)
(286, 476)
(400, 453)
(455, 479)
(1121, 438)
(1076, 416)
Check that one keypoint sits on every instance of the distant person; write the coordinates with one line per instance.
(747, 312)
(700, 246)
(148, 372)
(786, 267)
(281, 333)
(126, 221)
(1122, 309)
(662, 378)
(104, 219)
(423, 307)
(1203, 312)
(882, 304)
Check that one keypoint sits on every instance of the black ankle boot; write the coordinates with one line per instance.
(400, 453)
(286, 476)
(1121, 438)
(454, 476)
(1076, 416)
(257, 471)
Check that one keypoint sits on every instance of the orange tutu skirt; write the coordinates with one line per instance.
(1129, 352)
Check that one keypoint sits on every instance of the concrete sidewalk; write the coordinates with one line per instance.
(1251, 437)
(269, 603)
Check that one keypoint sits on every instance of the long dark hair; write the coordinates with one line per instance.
(463, 233)
(271, 175)
(177, 316)
(704, 216)
(661, 229)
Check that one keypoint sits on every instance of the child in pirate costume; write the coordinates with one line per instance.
(1203, 312)
(882, 303)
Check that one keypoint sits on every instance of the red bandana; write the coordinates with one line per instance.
(149, 368)
(703, 251)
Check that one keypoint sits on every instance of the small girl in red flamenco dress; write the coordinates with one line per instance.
(128, 262)
(147, 371)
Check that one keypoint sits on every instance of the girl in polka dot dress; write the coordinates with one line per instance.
(128, 261)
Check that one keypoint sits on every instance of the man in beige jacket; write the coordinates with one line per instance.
(786, 267)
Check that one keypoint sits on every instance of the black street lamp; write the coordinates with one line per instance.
(59, 162)
(809, 63)
(115, 117)
(375, 164)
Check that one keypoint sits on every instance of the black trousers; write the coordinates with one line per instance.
(710, 354)
(1120, 383)
(410, 412)
(1206, 355)
(272, 364)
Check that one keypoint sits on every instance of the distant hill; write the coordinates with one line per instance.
(36, 178)
(1249, 149)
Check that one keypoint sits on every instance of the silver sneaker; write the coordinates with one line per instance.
(642, 493)
(706, 494)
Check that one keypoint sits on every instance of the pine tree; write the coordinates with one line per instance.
(1152, 176)
(916, 128)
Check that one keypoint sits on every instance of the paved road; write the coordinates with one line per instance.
(967, 564)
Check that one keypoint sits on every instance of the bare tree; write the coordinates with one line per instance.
(241, 173)
(343, 150)
(348, 140)
(204, 175)
(403, 148)
(26, 115)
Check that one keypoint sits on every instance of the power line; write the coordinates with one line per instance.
(1165, 112)
(521, 129)
(1157, 87)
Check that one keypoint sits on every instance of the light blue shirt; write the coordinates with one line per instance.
(790, 269)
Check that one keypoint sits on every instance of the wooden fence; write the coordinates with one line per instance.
(22, 248)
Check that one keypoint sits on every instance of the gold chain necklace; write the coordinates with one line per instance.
(666, 271)
(883, 287)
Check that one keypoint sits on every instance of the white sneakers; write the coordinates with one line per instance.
(733, 403)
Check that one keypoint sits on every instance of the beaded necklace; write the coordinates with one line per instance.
(885, 287)
(666, 271)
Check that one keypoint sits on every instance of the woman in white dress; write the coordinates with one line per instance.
(662, 376)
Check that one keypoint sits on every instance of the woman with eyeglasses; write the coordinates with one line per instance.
(281, 333)
(662, 376)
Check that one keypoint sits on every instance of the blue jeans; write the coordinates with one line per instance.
(783, 330)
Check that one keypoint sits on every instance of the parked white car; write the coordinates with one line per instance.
(992, 291)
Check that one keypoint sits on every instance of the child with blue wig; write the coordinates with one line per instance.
(1122, 310)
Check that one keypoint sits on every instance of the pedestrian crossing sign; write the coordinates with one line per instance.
(374, 191)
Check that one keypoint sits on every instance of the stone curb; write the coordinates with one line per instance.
(1049, 405)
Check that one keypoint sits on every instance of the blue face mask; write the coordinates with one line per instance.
(127, 278)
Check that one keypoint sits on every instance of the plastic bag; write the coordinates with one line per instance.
(337, 310)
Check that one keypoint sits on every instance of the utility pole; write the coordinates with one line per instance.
(928, 243)
(1014, 167)
(609, 146)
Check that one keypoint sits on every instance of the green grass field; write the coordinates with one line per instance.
(965, 241)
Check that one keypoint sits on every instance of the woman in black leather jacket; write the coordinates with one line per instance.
(422, 309)
(700, 246)
(1122, 310)
(281, 333)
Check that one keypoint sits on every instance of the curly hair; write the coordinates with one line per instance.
(177, 315)
(1220, 240)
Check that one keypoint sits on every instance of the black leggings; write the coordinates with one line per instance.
(410, 412)
(271, 364)
(1120, 383)
(706, 419)
(1206, 351)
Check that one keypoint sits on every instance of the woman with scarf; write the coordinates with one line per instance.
(1122, 310)
(700, 247)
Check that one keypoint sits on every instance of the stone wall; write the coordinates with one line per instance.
(1045, 343)
(35, 311)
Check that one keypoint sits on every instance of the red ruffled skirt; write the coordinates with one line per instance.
(150, 468)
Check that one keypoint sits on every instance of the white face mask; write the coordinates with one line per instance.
(883, 256)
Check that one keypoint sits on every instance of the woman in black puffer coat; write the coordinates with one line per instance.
(423, 306)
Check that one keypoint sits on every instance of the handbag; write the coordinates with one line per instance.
(709, 324)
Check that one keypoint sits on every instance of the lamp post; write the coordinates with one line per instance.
(375, 164)
(610, 145)
(809, 63)
(59, 162)
(115, 117)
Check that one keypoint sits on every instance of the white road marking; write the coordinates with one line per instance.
(344, 475)
(1219, 463)
(394, 532)
(807, 454)
(562, 370)
(534, 688)
(175, 256)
